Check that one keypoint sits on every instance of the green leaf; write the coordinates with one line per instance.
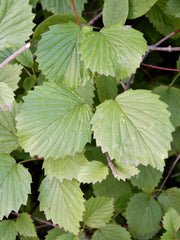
(8, 230)
(58, 55)
(125, 171)
(62, 202)
(168, 236)
(115, 11)
(93, 172)
(55, 19)
(68, 236)
(65, 122)
(116, 50)
(139, 8)
(29, 238)
(66, 168)
(111, 232)
(130, 128)
(6, 97)
(25, 58)
(173, 7)
(147, 179)
(25, 226)
(8, 139)
(87, 92)
(10, 75)
(15, 183)
(111, 187)
(63, 6)
(15, 22)
(29, 82)
(106, 87)
(98, 211)
(161, 20)
(171, 221)
(171, 96)
(143, 216)
(53, 233)
(170, 198)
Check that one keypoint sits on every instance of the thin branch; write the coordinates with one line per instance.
(129, 81)
(72, 2)
(14, 55)
(95, 19)
(46, 222)
(123, 85)
(31, 159)
(160, 68)
(165, 49)
(168, 175)
(111, 166)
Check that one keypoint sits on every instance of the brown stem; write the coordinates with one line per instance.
(165, 49)
(95, 19)
(123, 85)
(14, 55)
(72, 2)
(111, 166)
(160, 68)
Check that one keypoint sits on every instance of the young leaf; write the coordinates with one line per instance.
(116, 50)
(15, 183)
(111, 187)
(65, 168)
(8, 139)
(139, 8)
(65, 122)
(58, 55)
(106, 87)
(147, 179)
(92, 172)
(170, 198)
(63, 6)
(53, 233)
(173, 7)
(98, 211)
(171, 96)
(111, 232)
(62, 202)
(6, 97)
(171, 221)
(86, 92)
(8, 230)
(143, 216)
(15, 22)
(158, 14)
(25, 226)
(115, 11)
(130, 128)
(125, 171)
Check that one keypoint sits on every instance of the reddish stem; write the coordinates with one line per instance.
(72, 2)
(160, 68)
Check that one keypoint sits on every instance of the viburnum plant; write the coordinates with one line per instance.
(89, 119)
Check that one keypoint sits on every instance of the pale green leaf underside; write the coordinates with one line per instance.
(130, 128)
(171, 96)
(8, 139)
(62, 202)
(170, 198)
(8, 230)
(58, 55)
(15, 183)
(10, 75)
(63, 6)
(54, 122)
(143, 216)
(125, 171)
(111, 232)
(66, 168)
(25, 226)
(93, 172)
(147, 179)
(98, 211)
(6, 97)
(171, 221)
(161, 20)
(115, 12)
(174, 7)
(139, 8)
(15, 22)
(116, 50)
